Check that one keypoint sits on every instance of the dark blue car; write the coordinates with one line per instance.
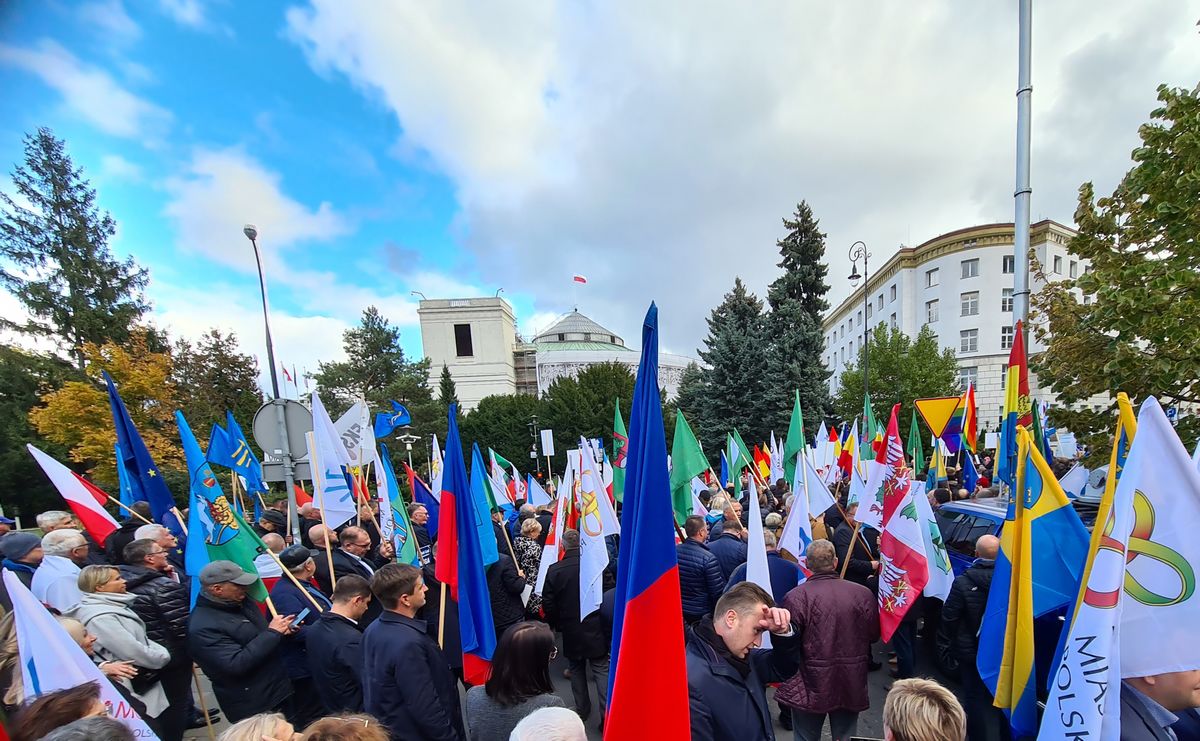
(963, 522)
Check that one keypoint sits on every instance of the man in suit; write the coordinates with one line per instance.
(354, 556)
(335, 647)
(1149, 704)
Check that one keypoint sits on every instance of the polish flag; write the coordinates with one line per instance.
(85, 498)
(579, 279)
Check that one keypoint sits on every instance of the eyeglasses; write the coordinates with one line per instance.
(554, 652)
(157, 553)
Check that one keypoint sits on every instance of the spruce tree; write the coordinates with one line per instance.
(797, 306)
(691, 392)
(447, 392)
(735, 381)
(56, 255)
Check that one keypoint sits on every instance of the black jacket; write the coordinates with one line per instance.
(162, 604)
(560, 599)
(335, 660)
(725, 705)
(700, 580)
(451, 638)
(730, 551)
(963, 612)
(859, 571)
(424, 542)
(505, 586)
(406, 682)
(1137, 724)
(344, 564)
(232, 645)
(115, 544)
(545, 519)
(291, 601)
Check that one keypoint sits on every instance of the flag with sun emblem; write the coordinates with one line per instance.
(903, 568)
(215, 531)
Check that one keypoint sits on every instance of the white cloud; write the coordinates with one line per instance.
(109, 18)
(89, 91)
(655, 148)
(114, 167)
(538, 321)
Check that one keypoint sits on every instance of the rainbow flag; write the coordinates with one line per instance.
(970, 418)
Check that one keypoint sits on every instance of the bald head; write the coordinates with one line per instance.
(988, 546)
(318, 535)
(274, 541)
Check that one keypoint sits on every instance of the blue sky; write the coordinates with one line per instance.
(456, 148)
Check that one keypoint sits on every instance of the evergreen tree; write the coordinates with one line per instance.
(56, 255)
(691, 391)
(583, 406)
(447, 392)
(736, 380)
(213, 376)
(797, 305)
(24, 376)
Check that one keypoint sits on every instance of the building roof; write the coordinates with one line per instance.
(561, 346)
(576, 328)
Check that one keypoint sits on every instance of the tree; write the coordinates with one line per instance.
(583, 406)
(1137, 331)
(901, 369)
(502, 423)
(58, 263)
(735, 381)
(23, 377)
(212, 377)
(691, 391)
(797, 301)
(447, 392)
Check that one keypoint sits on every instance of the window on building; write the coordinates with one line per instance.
(869, 312)
(1006, 338)
(562, 337)
(968, 340)
(1006, 299)
(968, 375)
(858, 318)
(462, 341)
(881, 299)
(1008, 265)
(892, 321)
(1004, 373)
(931, 311)
(1074, 267)
(931, 278)
(970, 303)
(892, 294)
(1087, 300)
(1058, 266)
(970, 268)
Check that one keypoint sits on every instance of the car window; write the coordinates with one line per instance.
(948, 523)
(968, 530)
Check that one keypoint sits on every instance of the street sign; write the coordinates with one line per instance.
(1173, 415)
(265, 428)
(937, 412)
(548, 443)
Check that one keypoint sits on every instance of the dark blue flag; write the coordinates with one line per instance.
(145, 481)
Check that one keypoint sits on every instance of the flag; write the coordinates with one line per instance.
(881, 474)
(620, 450)
(870, 427)
(460, 563)
(330, 462)
(302, 497)
(723, 479)
(915, 450)
(51, 660)
(537, 496)
(1018, 409)
(849, 454)
(797, 528)
(552, 550)
(953, 433)
(903, 568)
(423, 495)
(402, 536)
(229, 448)
(757, 570)
(970, 418)
(387, 422)
(215, 531)
(648, 693)
(84, 498)
(481, 500)
(941, 576)
(1122, 440)
(124, 489)
(1196, 455)
(143, 475)
(579, 279)
(435, 470)
(1042, 529)
(687, 462)
(519, 488)
(1038, 430)
(762, 464)
(597, 520)
(970, 477)
(794, 442)
(738, 455)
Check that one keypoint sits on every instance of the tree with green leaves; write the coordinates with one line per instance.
(447, 392)
(502, 423)
(212, 376)
(736, 379)
(1137, 330)
(24, 377)
(56, 258)
(583, 405)
(691, 391)
(797, 306)
(901, 369)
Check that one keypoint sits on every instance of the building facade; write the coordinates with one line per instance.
(960, 284)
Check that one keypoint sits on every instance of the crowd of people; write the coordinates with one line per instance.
(353, 645)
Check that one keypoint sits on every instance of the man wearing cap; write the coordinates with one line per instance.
(6, 525)
(272, 521)
(293, 600)
(22, 555)
(236, 647)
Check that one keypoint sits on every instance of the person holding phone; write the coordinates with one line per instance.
(307, 603)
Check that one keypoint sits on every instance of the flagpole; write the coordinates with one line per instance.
(853, 538)
(294, 580)
(179, 519)
(203, 705)
(442, 617)
(120, 504)
(314, 466)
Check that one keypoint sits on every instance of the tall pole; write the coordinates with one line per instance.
(251, 233)
(859, 250)
(1023, 190)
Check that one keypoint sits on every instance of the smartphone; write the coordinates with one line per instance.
(300, 618)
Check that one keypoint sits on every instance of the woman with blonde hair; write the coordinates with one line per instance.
(261, 727)
(529, 559)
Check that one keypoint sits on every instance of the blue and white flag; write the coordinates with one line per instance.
(331, 463)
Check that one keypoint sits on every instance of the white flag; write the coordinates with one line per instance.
(536, 495)
(357, 434)
(435, 470)
(1196, 455)
(330, 461)
(757, 570)
(797, 529)
(941, 576)
(1074, 481)
(51, 660)
(596, 520)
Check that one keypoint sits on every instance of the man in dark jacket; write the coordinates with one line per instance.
(355, 556)
(585, 642)
(450, 639)
(505, 586)
(115, 544)
(22, 555)
(700, 580)
(729, 547)
(727, 672)
(335, 656)
(784, 574)
(235, 645)
(862, 550)
(959, 632)
(406, 683)
(418, 515)
(837, 621)
(292, 600)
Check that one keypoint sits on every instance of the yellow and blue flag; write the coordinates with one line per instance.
(1018, 408)
(1043, 549)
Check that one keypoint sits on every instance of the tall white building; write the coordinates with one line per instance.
(961, 285)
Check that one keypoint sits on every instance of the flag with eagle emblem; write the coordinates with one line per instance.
(904, 570)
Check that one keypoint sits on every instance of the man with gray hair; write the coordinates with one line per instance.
(549, 724)
(55, 519)
(56, 582)
(167, 541)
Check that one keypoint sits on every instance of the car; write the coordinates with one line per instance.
(962, 522)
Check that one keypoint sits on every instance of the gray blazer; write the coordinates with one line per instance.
(1137, 722)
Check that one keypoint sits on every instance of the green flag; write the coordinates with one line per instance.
(620, 450)
(794, 442)
(687, 462)
(403, 532)
(914, 444)
(869, 429)
(737, 454)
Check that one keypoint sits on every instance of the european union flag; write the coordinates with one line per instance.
(145, 482)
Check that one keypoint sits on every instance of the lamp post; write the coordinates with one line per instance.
(858, 251)
(285, 451)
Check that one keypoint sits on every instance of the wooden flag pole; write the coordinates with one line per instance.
(442, 617)
(127, 509)
(203, 705)
(294, 580)
(511, 550)
(271, 607)
(180, 519)
(853, 536)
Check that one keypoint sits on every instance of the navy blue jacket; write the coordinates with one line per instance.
(407, 684)
(335, 660)
(700, 581)
(785, 575)
(289, 601)
(730, 551)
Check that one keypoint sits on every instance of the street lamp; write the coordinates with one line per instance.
(285, 451)
(858, 251)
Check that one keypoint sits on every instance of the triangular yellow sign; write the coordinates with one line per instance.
(937, 412)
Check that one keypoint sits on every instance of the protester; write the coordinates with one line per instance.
(837, 621)
(271, 521)
(727, 676)
(729, 547)
(784, 574)
(700, 580)
(22, 555)
(268, 568)
(56, 582)
(114, 546)
(334, 643)
(442, 625)
(51, 710)
(354, 556)
(862, 550)
(1149, 704)
(55, 519)
(545, 518)
(731, 511)
(529, 558)
(418, 515)
(407, 684)
(519, 683)
(586, 642)
(295, 600)
(87, 641)
(959, 633)
(505, 587)
(235, 645)
(7, 524)
(168, 542)
(550, 724)
(106, 610)
(98, 728)
(922, 710)
(525, 511)
(261, 727)
(310, 517)
(356, 727)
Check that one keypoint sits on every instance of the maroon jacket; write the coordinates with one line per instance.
(837, 621)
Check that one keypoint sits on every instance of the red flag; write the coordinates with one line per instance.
(903, 569)
(82, 496)
(302, 497)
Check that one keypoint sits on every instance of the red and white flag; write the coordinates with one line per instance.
(551, 551)
(85, 498)
(580, 279)
(903, 568)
